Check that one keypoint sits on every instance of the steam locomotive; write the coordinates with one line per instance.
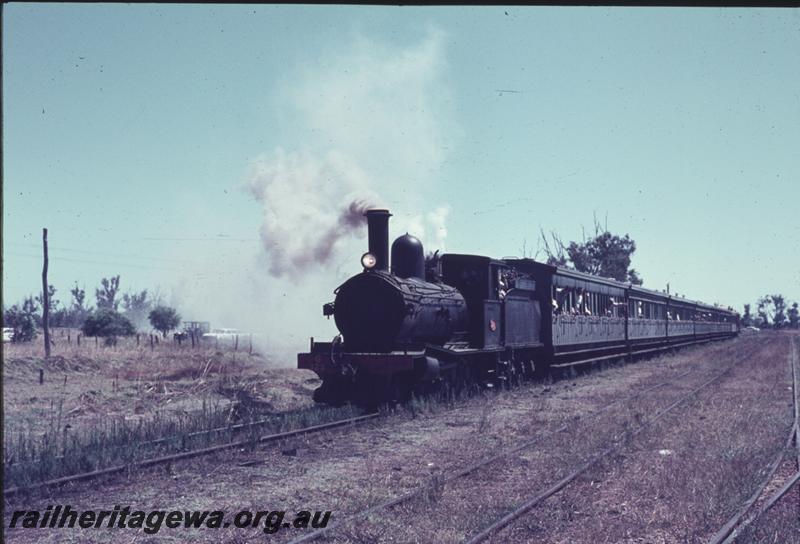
(474, 319)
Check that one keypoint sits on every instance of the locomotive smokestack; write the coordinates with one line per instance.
(378, 235)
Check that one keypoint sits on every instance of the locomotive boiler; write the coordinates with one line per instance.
(379, 311)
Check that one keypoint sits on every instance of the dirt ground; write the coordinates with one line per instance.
(677, 482)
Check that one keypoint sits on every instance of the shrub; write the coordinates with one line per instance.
(164, 319)
(23, 323)
(107, 324)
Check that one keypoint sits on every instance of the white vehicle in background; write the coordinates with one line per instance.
(8, 334)
(220, 336)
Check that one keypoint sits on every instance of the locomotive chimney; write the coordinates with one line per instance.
(378, 235)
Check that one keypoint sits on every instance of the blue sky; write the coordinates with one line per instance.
(143, 135)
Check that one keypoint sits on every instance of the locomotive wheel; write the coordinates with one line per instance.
(516, 372)
(528, 367)
(335, 392)
(401, 388)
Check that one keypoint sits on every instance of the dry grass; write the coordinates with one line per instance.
(679, 495)
(95, 406)
(349, 471)
(689, 473)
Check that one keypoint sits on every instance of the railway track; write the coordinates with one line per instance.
(197, 452)
(740, 520)
(536, 439)
(527, 505)
(192, 453)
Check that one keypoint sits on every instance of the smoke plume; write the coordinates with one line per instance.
(365, 124)
(310, 205)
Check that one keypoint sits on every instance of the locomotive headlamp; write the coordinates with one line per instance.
(368, 260)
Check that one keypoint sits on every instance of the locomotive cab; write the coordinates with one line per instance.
(502, 303)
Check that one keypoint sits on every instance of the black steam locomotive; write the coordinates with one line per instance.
(476, 319)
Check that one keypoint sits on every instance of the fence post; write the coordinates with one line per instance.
(79, 339)
(236, 345)
(41, 376)
(45, 298)
(137, 339)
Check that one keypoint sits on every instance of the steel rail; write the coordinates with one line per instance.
(186, 455)
(732, 528)
(176, 437)
(778, 495)
(736, 524)
(558, 486)
(796, 400)
(460, 473)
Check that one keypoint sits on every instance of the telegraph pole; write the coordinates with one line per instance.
(45, 299)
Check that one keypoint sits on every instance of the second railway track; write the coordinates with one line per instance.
(184, 455)
(748, 514)
(495, 460)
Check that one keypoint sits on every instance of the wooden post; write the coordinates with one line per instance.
(236, 345)
(69, 339)
(79, 339)
(191, 335)
(137, 339)
(41, 376)
(95, 342)
(251, 344)
(151, 343)
(45, 298)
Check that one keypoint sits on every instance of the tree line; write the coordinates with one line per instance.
(772, 311)
(114, 314)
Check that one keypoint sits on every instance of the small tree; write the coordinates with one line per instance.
(136, 306)
(794, 316)
(30, 307)
(762, 310)
(164, 319)
(107, 294)
(78, 311)
(108, 324)
(747, 317)
(23, 322)
(779, 317)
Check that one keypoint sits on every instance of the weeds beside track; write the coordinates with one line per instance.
(738, 523)
(300, 423)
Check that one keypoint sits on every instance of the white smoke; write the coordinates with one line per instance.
(437, 220)
(431, 228)
(372, 125)
(373, 121)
